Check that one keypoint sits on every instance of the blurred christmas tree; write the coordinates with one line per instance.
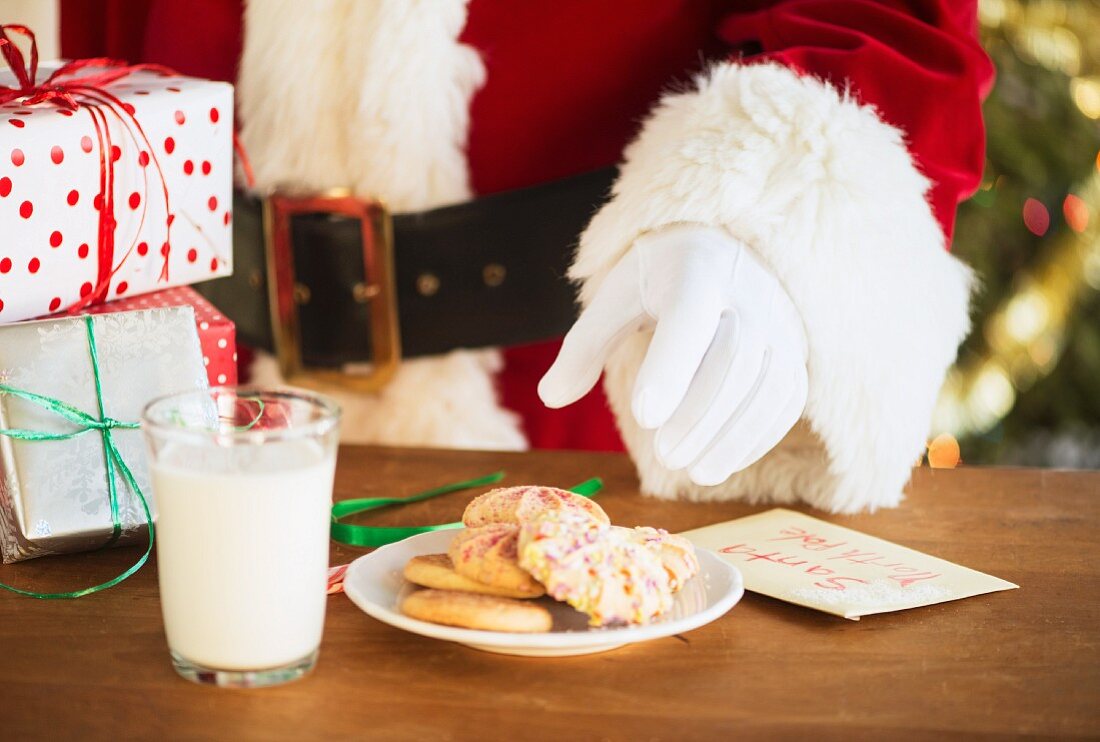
(1026, 388)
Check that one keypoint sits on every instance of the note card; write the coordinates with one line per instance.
(806, 561)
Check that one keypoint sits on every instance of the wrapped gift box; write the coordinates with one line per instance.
(54, 496)
(160, 164)
(217, 333)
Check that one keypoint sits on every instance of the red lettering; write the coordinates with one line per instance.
(869, 558)
(907, 580)
(751, 554)
(823, 546)
(789, 533)
(836, 583)
(851, 554)
(770, 557)
(810, 541)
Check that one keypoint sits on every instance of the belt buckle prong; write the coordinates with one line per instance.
(377, 289)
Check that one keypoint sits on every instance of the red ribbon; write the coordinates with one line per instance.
(88, 92)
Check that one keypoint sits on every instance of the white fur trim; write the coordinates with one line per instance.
(291, 96)
(413, 83)
(827, 194)
(374, 95)
(368, 94)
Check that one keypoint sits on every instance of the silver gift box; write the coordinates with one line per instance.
(53, 494)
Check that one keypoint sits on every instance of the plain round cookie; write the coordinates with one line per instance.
(515, 505)
(438, 571)
(489, 555)
(471, 611)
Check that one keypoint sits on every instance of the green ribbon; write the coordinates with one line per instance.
(112, 460)
(353, 535)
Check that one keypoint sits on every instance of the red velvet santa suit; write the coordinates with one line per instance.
(835, 138)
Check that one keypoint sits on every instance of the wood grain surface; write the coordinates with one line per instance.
(1023, 661)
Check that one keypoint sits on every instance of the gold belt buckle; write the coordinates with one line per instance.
(377, 289)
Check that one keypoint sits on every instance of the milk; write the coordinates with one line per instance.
(242, 551)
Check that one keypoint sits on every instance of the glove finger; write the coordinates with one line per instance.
(744, 431)
(725, 380)
(615, 312)
(685, 330)
(790, 413)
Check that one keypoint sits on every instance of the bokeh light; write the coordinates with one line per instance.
(994, 393)
(1036, 217)
(1076, 212)
(943, 452)
(1086, 94)
(1026, 315)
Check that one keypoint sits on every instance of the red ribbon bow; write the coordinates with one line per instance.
(88, 92)
(55, 89)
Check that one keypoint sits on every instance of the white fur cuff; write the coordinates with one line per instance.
(827, 194)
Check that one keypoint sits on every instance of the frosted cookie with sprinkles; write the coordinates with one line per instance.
(516, 504)
(471, 611)
(597, 570)
(489, 555)
(676, 553)
(438, 571)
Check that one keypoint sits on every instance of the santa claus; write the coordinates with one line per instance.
(766, 288)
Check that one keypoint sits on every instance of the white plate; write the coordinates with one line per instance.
(374, 583)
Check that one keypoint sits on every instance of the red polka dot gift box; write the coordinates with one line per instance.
(217, 333)
(113, 189)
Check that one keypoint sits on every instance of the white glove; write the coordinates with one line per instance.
(724, 377)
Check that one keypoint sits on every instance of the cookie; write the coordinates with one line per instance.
(489, 555)
(470, 611)
(676, 553)
(516, 504)
(596, 569)
(438, 571)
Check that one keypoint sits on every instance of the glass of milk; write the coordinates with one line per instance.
(242, 480)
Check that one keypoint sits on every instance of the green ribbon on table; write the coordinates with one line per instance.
(112, 459)
(353, 535)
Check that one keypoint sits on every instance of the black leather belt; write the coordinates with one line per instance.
(486, 272)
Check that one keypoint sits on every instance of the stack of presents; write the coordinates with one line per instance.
(116, 193)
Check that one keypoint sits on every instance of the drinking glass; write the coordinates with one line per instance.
(242, 480)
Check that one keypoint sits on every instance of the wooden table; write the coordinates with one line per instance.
(1020, 661)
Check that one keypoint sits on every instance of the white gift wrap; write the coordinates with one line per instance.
(50, 179)
(53, 494)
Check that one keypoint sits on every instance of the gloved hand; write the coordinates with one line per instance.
(724, 377)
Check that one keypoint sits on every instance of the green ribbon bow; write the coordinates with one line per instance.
(112, 459)
(353, 535)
